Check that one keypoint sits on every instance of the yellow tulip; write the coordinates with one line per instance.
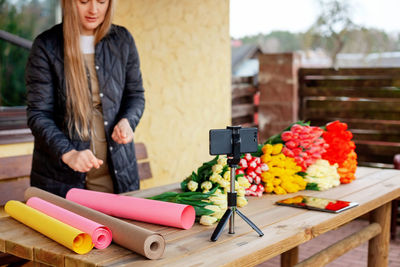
(207, 220)
(222, 161)
(227, 175)
(267, 149)
(192, 186)
(217, 168)
(243, 182)
(241, 201)
(218, 212)
(279, 190)
(215, 177)
(276, 149)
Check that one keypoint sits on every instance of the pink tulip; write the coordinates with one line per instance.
(304, 136)
(287, 152)
(296, 151)
(291, 144)
(286, 136)
(306, 144)
(303, 154)
(296, 128)
(309, 161)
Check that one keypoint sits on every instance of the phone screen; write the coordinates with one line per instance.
(221, 141)
(317, 203)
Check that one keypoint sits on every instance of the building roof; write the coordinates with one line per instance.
(241, 56)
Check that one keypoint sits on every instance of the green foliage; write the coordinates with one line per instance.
(312, 186)
(259, 151)
(26, 19)
(203, 172)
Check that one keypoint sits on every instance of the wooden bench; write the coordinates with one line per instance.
(368, 100)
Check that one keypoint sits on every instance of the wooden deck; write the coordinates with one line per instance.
(354, 258)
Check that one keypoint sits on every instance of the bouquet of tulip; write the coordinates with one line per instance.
(304, 143)
(282, 174)
(341, 150)
(215, 176)
(322, 176)
(250, 168)
(308, 155)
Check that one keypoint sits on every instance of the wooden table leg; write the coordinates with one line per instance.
(378, 247)
(290, 258)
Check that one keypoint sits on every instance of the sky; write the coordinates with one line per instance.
(251, 17)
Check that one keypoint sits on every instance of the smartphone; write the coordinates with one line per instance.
(317, 203)
(221, 141)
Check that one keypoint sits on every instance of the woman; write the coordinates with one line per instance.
(85, 99)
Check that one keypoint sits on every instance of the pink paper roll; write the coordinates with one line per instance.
(139, 209)
(101, 235)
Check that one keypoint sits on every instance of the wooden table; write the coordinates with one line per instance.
(284, 229)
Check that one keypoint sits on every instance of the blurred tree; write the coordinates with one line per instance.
(25, 18)
(365, 41)
(330, 30)
(276, 41)
(287, 40)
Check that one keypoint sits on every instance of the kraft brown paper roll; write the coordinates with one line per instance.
(135, 238)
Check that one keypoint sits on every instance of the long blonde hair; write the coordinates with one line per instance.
(79, 102)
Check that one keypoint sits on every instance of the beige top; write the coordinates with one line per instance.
(97, 179)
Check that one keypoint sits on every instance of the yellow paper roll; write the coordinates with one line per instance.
(60, 232)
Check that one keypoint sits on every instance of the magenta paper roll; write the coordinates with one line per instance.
(139, 209)
(101, 235)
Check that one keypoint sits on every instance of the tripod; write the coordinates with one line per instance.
(233, 161)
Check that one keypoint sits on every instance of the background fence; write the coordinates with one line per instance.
(367, 99)
(245, 95)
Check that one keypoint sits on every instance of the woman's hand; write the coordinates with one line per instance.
(123, 132)
(81, 161)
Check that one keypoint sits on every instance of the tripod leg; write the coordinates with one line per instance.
(255, 228)
(232, 222)
(221, 224)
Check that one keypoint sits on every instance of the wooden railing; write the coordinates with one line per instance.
(367, 99)
(244, 101)
(13, 126)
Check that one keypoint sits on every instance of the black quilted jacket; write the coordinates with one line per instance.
(122, 93)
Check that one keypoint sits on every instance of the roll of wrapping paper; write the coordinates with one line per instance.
(101, 235)
(139, 209)
(135, 238)
(60, 232)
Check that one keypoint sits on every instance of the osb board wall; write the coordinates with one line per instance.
(184, 48)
